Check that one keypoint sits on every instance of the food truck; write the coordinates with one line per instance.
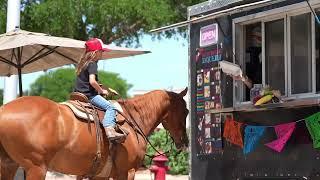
(275, 46)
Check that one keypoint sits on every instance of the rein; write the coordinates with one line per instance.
(160, 153)
(139, 130)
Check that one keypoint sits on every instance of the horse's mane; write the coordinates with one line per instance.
(153, 98)
(140, 103)
(147, 105)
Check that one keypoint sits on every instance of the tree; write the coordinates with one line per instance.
(119, 21)
(57, 85)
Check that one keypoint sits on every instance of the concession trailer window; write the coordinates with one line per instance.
(286, 49)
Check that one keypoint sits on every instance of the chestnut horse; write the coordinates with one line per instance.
(40, 135)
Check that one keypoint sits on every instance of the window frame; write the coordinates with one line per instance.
(284, 13)
(314, 46)
(279, 17)
(313, 64)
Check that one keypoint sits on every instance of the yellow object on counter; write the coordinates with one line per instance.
(264, 99)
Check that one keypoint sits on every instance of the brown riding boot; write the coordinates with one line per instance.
(113, 135)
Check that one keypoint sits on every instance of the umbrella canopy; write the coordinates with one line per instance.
(25, 52)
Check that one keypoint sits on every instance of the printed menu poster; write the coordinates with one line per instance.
(208, 92)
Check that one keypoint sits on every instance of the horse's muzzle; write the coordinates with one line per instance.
(184, 144)
(182, 147)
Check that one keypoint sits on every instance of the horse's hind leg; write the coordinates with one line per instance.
(36, 172)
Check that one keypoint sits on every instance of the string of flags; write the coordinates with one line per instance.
(252, 134)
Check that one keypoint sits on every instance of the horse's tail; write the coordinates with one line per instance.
(3, 153)
(8, 167)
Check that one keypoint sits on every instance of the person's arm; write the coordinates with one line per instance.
(244, 79)
(109, 89)
(247, 81)
(96, 85)
(93, 70)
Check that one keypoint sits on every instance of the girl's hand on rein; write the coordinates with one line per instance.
(105, 92)
(113, 91)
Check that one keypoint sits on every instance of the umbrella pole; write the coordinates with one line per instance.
(19, 55)
(20, 83)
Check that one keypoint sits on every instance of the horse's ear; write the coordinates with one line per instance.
(184, 92)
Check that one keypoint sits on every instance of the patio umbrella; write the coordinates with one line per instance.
(25, 52)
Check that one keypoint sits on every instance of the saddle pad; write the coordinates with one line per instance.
(81, 114)
(77, 112)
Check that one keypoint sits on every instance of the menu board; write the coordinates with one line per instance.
(208, 92)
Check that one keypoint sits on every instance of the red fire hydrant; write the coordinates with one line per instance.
(159, 167)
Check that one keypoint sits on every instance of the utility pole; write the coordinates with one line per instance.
(13, 22)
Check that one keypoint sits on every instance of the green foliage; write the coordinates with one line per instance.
(3, 15)
(57, 85)
(119, 21)
(178, 161)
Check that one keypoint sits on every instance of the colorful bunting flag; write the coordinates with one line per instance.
(313, 125)
(232, 132)
(251, 137)
(284, 132)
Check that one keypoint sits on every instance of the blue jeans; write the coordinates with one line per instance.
(110, 115)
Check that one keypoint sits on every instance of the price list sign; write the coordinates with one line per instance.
(208, 91)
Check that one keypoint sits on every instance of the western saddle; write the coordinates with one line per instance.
(83, 109)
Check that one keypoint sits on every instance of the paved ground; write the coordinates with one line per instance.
(141, 175)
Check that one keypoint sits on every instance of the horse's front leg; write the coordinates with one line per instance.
(126, 176)
(79, 178)
(36, 172)
(100, 178)
(121, 176)
(131, 174)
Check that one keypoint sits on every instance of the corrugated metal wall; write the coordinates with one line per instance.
(212, 5)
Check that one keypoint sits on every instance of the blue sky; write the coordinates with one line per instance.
(165, 68)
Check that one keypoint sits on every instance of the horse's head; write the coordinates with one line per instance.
(175, 119)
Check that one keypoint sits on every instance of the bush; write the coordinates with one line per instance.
(178, 161)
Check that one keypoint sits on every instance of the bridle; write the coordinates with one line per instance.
(130, 120)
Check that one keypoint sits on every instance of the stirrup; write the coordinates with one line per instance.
(114, 136)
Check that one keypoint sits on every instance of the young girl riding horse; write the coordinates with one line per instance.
(87, 84)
